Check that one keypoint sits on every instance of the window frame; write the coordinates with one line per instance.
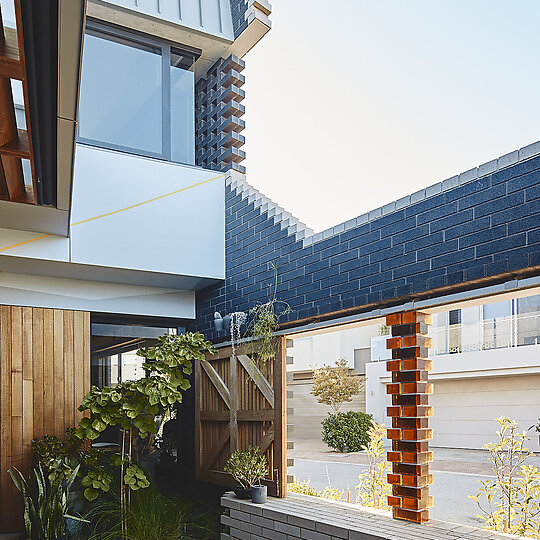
(165, 47)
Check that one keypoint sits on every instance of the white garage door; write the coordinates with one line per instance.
(464, 411)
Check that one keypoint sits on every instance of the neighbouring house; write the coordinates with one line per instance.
(125, 214)
(486, 363)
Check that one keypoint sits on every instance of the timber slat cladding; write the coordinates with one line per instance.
(240, 403)
(44, 374)
(409, 434)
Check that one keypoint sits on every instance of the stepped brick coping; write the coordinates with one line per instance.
(311, 518)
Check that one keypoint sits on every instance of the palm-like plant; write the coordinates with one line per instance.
(46, 503)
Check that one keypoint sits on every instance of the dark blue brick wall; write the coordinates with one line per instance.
(480, 229)
(238, 12)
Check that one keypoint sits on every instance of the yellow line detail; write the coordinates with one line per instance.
(146, 202)
(117, 211)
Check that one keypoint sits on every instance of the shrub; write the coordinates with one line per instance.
(304, 488)
(347, 430)
(373, 488)
(511, 502)
(247, 467)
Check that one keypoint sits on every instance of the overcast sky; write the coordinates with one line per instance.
(352, 104)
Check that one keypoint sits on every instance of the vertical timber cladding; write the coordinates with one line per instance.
(410, 456)
(239, 403)
(44, 374)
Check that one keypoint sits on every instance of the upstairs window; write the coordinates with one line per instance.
(137, 96)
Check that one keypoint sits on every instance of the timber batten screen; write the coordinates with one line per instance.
(239, 403)
(44, 374)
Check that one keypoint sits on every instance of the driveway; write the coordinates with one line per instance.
(455, 476)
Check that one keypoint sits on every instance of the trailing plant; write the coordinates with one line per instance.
(334, 386)
(263, 323)
(511, 502)
(247, 466)
(373, 489)
(150, 516)
(238, 318)
(46, 503)
(347, 430)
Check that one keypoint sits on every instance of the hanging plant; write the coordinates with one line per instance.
(264, 321)
(238, 318)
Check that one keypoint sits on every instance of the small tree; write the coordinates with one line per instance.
(511, 502)
(334, 386)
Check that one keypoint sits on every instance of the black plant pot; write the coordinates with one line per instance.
(242, 493)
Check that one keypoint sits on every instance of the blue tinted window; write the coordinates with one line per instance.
(121, 94)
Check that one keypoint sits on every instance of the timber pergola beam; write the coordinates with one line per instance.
(15, 144)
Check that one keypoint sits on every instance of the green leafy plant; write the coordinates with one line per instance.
(335, 385)
(46, 503)
(263, 322)
(347, 430)
(247, 466)
(511, 502)
(373, 489)
(150, 516)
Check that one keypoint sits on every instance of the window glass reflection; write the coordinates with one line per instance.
(121, 93)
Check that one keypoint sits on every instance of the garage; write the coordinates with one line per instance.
(464, 410)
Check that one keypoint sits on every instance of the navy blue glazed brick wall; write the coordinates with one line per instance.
(238, 12)
(486, 227)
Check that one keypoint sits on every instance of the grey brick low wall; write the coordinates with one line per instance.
(309, 518)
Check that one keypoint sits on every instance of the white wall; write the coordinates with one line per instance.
(183, 233)
(209, 16)
(326, 348)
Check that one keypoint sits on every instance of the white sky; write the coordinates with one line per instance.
(352, 104)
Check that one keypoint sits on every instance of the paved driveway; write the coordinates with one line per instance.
(455, 476)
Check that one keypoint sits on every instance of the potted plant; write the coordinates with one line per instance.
(248, 467)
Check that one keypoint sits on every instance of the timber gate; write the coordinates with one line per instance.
(240, 403)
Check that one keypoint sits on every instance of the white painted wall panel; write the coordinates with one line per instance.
(61, 293)
(209, 16)
(183, 233)
(33, 245)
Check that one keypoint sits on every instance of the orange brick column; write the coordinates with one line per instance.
(409, 389)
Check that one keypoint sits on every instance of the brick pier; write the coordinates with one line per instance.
(410, 455)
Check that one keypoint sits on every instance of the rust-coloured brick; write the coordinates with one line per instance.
(393, 457)
(393, 434)
(393, 365)
(410, 376)
(410, 399)
(416, 434)
(401, 445)
(416, 388)
(410, 423)
(417, 316)
(411, 492)
(420, 410)
(394, 501)
(393, 478)
(420, 516)
(410, 469)
(393, 343)
(409, 364)
(393, 388)
(417, 481)
(393, 411)
(393, 318)
(417, 458)
(417, 341)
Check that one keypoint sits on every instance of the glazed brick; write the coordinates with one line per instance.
(482, 237)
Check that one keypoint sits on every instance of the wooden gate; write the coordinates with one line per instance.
(238, 404)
